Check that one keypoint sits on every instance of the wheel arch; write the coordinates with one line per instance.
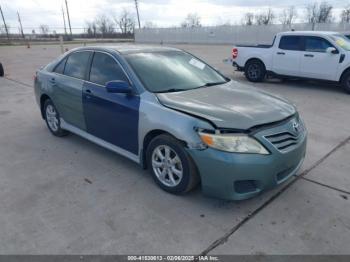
(43, 98)
(254, 59)
(147, 140)
(343, 73)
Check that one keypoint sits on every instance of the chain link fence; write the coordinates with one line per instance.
(240, 34)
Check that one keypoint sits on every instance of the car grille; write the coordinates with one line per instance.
(286, 140)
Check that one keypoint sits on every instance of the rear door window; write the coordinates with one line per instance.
(316, 44)
(104, 69)
(290, 43)
(77, 64)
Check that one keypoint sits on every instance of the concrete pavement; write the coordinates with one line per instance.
(69, 196)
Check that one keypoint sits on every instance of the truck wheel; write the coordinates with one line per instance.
(170, 165)
(345, 82)
(255, 71)
(1, 70)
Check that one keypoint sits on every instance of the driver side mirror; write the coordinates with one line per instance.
(117, 86)
(332, 50)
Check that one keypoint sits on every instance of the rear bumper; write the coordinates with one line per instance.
(234, 176)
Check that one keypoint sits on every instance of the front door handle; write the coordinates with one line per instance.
(53, 81)
(281, 53)
(308, 55)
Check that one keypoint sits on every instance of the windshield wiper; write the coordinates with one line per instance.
(188, 89)
(211, 84)
(172, 90)
(215, 83)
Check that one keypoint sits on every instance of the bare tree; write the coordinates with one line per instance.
(91, 28)
(248, 19)
(192, 20)
(325, 14)
(125, 22)
(104, 25)
(265, 18)
(288, 15)
(345, 14)
(44, 29)
(319, 13)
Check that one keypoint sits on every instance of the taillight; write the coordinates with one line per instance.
(234, 53)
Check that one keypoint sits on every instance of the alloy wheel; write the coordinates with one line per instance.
(51, 118)
(167, 165)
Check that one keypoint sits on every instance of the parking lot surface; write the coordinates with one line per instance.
(69, 196)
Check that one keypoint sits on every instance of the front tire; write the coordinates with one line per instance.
(255, 71)
(170, 165)
(52, 119)
(345, 83)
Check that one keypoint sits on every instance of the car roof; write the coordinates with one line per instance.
(128, 48)
(309, 33)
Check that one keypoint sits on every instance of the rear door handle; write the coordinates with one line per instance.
(308, 55)
(53, 81)
(88, 93)
(281, 53)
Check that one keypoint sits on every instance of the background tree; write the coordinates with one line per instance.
(345, 14)
(91, 28)
(265, 18)
(192, 20)
(248, 19)
(319, 13)
(125, 22)
(44, 29)
(104, 25)
(288, 15)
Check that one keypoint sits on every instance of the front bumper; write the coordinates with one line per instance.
(234, 176)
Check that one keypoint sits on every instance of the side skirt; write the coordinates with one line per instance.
(99, 141)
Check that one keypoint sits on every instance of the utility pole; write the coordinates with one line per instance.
(3, 19)
(20, 24)
(64, 22)
(70, 27)
(137, 11)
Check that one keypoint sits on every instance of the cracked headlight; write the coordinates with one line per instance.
(235, 143)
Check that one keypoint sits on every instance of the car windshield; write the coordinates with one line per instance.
(172, 71)
(342, 41)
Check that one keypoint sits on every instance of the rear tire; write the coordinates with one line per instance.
(52, 119)
(170, 165)
(345, 82)
(255, 71)
(1, 70)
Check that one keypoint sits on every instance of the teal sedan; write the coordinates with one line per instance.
(175, 115)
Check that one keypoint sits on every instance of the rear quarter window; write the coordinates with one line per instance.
(60, 67)
(77, 64)
(290, 43)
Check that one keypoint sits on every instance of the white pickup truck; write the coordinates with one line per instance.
(313, 55)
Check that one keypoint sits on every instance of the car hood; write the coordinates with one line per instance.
(231, 105)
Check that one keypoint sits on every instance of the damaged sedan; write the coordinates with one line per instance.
(175, 115)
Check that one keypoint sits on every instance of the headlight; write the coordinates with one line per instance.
(235, 143)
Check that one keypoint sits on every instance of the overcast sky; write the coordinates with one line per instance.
(163, 13)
